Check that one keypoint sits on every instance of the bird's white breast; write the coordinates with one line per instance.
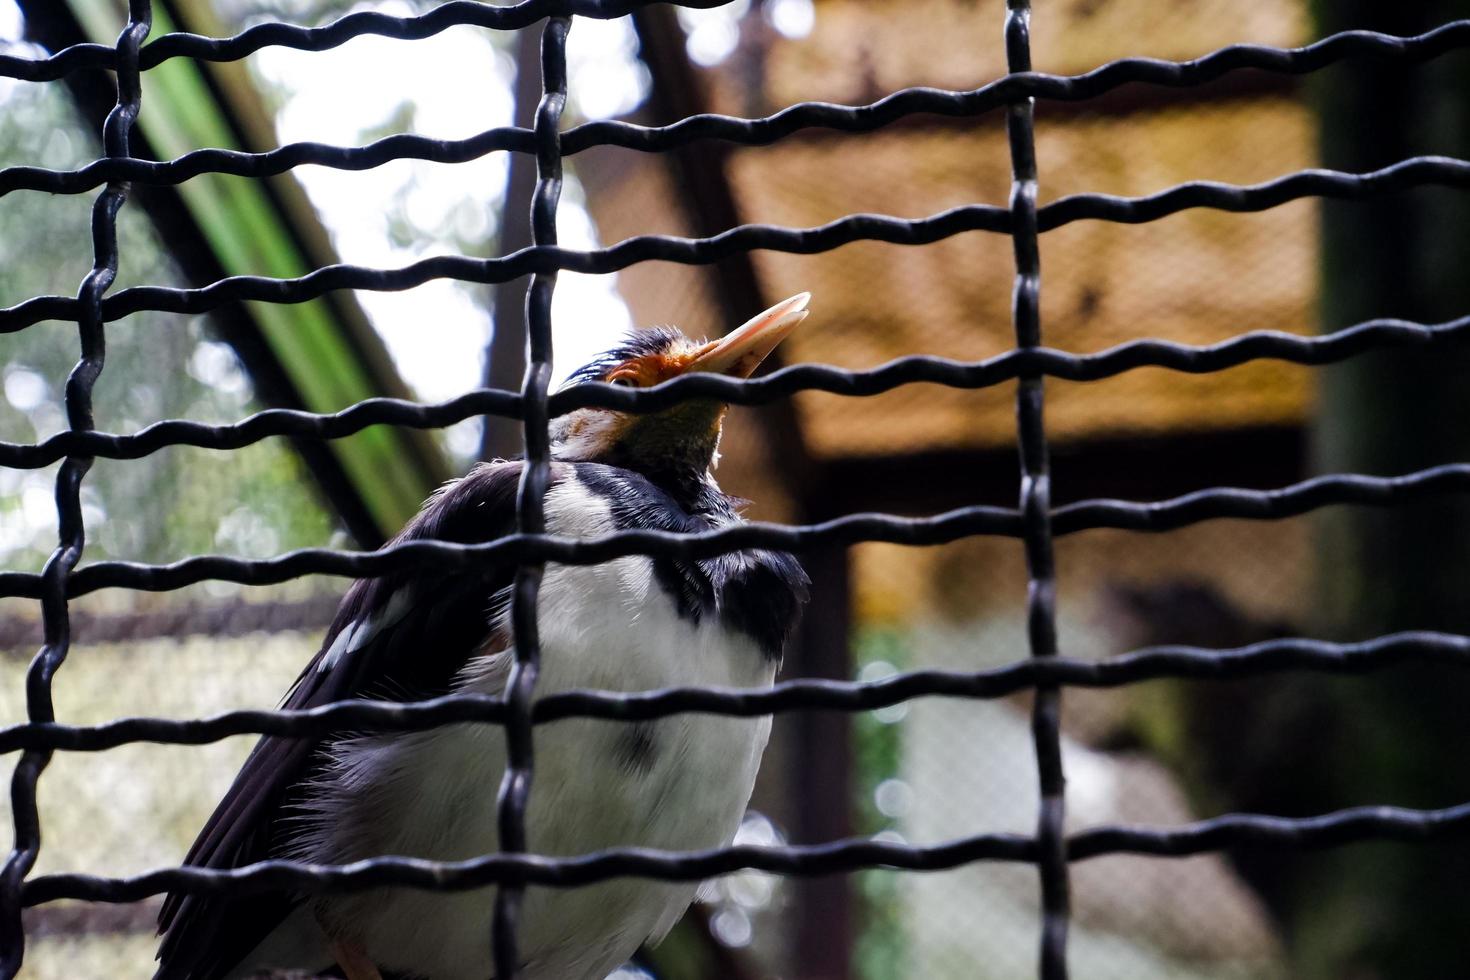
(678, 783)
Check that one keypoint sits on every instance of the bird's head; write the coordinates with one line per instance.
(675, 447)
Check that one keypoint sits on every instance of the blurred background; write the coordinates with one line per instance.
(928, 771)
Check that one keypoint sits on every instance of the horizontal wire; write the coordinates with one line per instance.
(1232, 502)
(79, 57)
(263, 425)
(458, 13)
(1414, 172)
(519, 548)
(1164, 515)
(1189, 358)
(271, 163)
(755, 132)
(1243, 830)
(531, 869)
(1023, 85)
(527, 261)
(1229, 831)
(1152, 663)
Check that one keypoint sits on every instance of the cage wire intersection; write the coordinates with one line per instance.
(1033, 520)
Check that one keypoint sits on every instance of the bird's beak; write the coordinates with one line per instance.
(741, 351)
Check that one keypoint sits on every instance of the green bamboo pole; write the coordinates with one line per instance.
(249, 236)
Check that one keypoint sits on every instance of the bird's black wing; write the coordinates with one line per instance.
(399, 637)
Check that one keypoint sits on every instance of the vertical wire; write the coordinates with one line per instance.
(515, 788)
(71, 529)
(1035, 505)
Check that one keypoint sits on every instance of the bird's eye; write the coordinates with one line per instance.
(625, 382)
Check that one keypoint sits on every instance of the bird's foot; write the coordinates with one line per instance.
(354, 961)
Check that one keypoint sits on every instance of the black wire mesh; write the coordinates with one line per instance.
(1034, 520)
(1035, 506)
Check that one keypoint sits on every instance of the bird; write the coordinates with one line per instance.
(633, 623)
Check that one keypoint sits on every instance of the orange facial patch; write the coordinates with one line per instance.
(652, 369)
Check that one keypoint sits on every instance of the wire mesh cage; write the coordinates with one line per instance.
(1033, 521)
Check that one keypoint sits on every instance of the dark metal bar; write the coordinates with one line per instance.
(1427, 171)
(71, 528)
(921, 109)
(1154, 663)
(1241, 85)
(506, 17)
(1035, 506)
(82, 57)
(1263, 71)
(505, 354)
(819, 744)
(1164, 515)
(244, 112)
(53, 25)
(1035, 520)
(515, 788)
(1232, 830)
(710, 207)
(1192, 359)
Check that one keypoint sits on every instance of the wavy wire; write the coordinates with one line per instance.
(82, 57)
(1188, 358)
(1037, 519)
(1153, 663)
(1028, 361)
(543, 259)
(1234, 830)
(1165, 515)
(458, 13)
(761, 131)
(55, 578)
(514, 795)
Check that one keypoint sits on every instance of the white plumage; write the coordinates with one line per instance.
(678, 783)
(631, 624)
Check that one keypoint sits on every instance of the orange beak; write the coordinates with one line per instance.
(741, 351)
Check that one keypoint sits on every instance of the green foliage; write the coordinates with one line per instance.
(877, 756)
(158, 366)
